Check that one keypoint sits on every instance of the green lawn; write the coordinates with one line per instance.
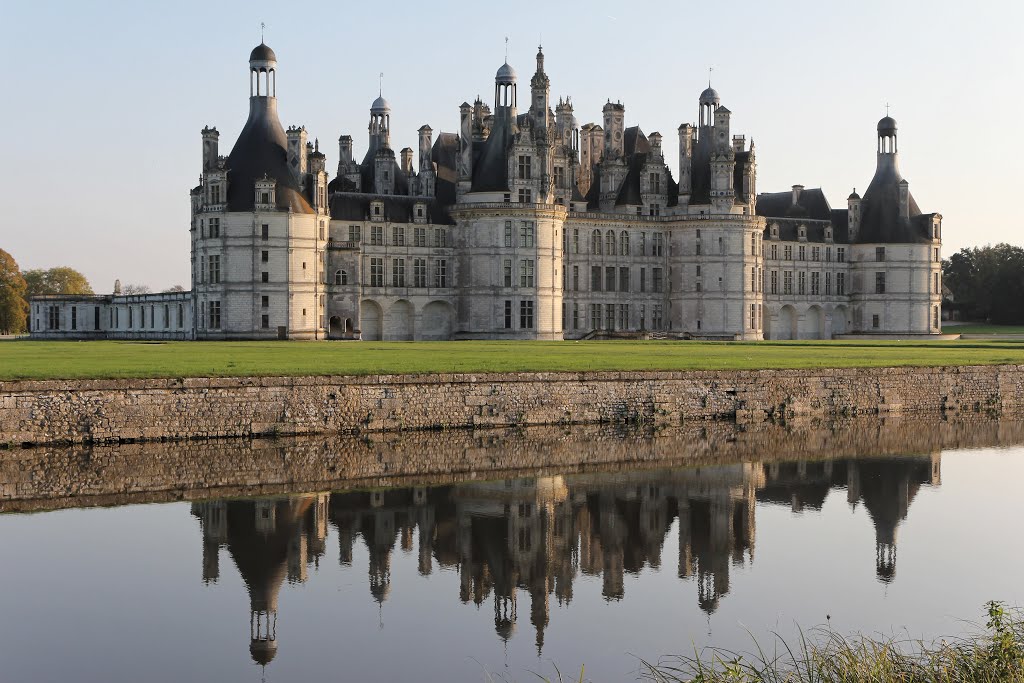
(981, 328)
(109, 359)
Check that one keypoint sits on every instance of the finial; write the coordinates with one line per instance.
(262, 26)
(316, 144)
(506, 49)
(886, 108)
(380, 85)
(710, 69)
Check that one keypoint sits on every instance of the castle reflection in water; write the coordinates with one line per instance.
(531, 537)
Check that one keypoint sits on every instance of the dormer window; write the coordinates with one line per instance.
(377, 210)
(801, 232)
(775, 231)
(266, 191)
(420, 213)
(828, 234)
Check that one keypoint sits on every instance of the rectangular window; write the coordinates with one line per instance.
(875, 321)
(265, 321)
(643, 244)
(214, 227)
(526, 315)
(74, 317)
(595, 316)
(815, 253)
(841, 254)
(623, 316)
(376, 272)
(801, 282)
(753, 244)
(525, 168)
(354, 233)
(440, 237)
(265, 256)
(213, 311)
(879, 253)
(575, 278)
(575, 240)
(802, 253)
(828, 254)
(936, 255)
(840, 284)
(526, 234)
(525, 196)
(657, 317)
(656, 183)
(595, 278)
(441, 273)
(828, 284)
(264, 301)
(935, 277)
(559, 177)
(643, 317)
(774, 251)
(656, 280)
(623, 279)
(753, 279)
(787, 252)
(775, 282)
(508, 233)
(643, 280)
(398, 235)
(609, 279)
(377, 235)
(753, 316)
(575, 316)
(214, 269)
(815, 283)
(787, 282)
(419, 237)
(419, 272)
(609, 316)
(879, 283)
(508, 315)
(658, 244)
(265, 232)
(526, 273)
(398, 272)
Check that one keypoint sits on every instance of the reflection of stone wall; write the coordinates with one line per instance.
(127, 410)
(48, 477)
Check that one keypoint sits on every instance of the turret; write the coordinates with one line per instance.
(344, 153)
(427, 174)
(211, 143)
(853, 212)
(406, 157)
(685, 159)
(540, 90)
(380, 123)
(465, 160)
(297, 140)
(614, 116)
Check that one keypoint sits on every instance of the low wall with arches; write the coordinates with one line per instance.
(199, 408)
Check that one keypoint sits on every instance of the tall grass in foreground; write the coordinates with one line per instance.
(824, 656)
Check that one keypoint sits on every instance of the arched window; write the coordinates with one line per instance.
(595, 242)
(624, 243)
(341, 277)
(609, 243)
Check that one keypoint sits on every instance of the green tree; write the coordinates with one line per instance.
(59, 280)
(13, 306)
(987, 283)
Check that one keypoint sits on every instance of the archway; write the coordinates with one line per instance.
(334, 328)
(349, 330)
(813, 326)
(840, 320)
(398, 323)
(787, 323)
(437, 321)
(371, 320)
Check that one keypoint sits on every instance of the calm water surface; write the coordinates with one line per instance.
(502, 578)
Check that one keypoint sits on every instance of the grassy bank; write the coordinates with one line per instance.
(981, 328)
(824, 656)
(110, 359)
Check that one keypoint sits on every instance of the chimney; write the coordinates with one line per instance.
(426, 164)
(344, 152)
(797, 189)
(407, 161)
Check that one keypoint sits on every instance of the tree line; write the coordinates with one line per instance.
(986, 284)
(18, 286)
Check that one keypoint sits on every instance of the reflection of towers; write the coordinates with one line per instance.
(268, 539)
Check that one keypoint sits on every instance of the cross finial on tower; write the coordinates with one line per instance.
(262, 27)
(380, 85)
(506, 49)
(886, 108)
(710, 69)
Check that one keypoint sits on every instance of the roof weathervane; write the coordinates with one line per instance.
(886, 108)
(710, 69)
(262, 26)
(506, 49)
(380, 85)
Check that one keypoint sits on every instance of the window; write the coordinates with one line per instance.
(215, 194)
(576, 241)
(875, 321)
(775, 282)
(507, 198)
(441, 273)
(753, 244)
(815, 283)
(657, 314)
(526, 234)
(595, 278)
(656, 279)
(265, 256)
(181, 316)
(828, 254)
(214, 227)
(643, 317)
(753, 316)
(559, 177)
(879, 283)
(841, 254)
(213, 312)
(787, 252)
(609, 316)
(214, 261)
(525, 168)
(526, 315)
(526, 273)
(801, 282)
(419, 272)
(507, 272)
(508, 315)
(802, 253)
(828, 284)
(340, 277)
(440, 237)
(643, 244)
(321, 231)
(643, 279)
(935, 317)
(656, 183)
(575, 316)
(264, 276)
(264, 301)
(377, 235)
(609, 279)
(840, 284)
(525, 195)
(131, 317)
(658, 244)
(623, 279)
(623, 316)
(595, 242)
(787, 282)
(74, 317)
(265, 321)
(936, 255)
(935, 277)
(624, 243)
(609, 243)
(721, 246)
(575, 278)
(398, 235)
(879, 253)
(508, 233)
(815, 253)
(265, 232)
(753, 279)
(398, 272)
(353, 233)
(774, 251)
(376, 272)
(419, 237)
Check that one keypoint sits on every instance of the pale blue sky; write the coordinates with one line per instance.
(104, 101)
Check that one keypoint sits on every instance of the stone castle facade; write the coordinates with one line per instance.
(526, 226)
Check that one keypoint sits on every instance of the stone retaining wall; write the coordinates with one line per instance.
(104, 411)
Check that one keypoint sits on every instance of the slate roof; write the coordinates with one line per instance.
(355, 206)
(262, 150)
(812, 205)
(880, 219)
(490, 172)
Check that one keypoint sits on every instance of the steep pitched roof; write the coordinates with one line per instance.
(880, 219)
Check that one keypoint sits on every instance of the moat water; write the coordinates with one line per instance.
(476, 577)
